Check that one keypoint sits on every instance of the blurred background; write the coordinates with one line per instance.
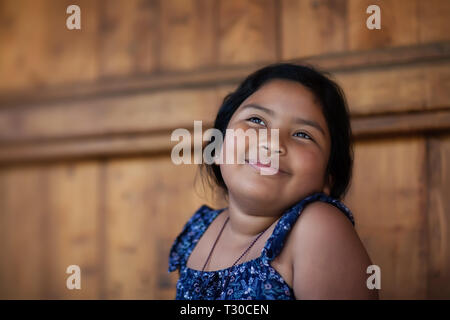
(86, 115)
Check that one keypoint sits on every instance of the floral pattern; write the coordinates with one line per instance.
(253, 279)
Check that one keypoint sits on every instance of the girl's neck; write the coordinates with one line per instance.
(247, 222)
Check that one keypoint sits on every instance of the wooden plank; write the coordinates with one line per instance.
(89, 147)
(312, 27)
(188, 39)
(388, 90)
(438, 214)
(203, 78)
(399, 88)
(399, 24)
(41, 51)
(404, 124)
(152, 142)
(140, 112)
(437, 86)
(389, 204)
(24, 270)
(70, 55)
(170, 216)
(142, 222)
(22, 29)
(246, 31)
(74, 228)
(3, 235)
(433, 20)
(129, 37)
(129, 248)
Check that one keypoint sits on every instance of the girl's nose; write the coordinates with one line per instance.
(280, 150)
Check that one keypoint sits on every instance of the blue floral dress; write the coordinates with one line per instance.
(253, 279)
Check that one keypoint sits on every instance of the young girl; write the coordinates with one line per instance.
(286, 235)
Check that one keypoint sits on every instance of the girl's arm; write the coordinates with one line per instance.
(329, 260)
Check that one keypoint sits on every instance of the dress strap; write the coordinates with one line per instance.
(190, 235)
(275, 243)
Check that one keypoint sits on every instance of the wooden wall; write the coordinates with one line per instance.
(86, 117)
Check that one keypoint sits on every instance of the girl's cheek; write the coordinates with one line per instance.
(307, 161)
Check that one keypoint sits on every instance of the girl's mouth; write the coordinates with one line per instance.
(266, 168)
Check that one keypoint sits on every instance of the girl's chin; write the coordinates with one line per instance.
(255, 190)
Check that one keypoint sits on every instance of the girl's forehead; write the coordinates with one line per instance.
(284, 91)
(286, 98)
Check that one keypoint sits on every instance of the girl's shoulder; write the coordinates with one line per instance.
(190, 234)
(326, 236)
(288, 221)
(323, 200)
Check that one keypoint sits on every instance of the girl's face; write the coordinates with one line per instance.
(304, 146)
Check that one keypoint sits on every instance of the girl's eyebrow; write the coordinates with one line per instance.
(303, 121)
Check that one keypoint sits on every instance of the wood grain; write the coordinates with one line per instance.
(188, 35)
(389, 204)
(73, 190)
(24, 259)
(86, 116)
(130, 37)
(438, 217)
(433, 20)
(399, 24)
(143, 219)
(312, 27)
(246, 31)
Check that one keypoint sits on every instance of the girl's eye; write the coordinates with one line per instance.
(303, 133)
(256, 120)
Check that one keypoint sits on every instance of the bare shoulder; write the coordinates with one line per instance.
(329, 260)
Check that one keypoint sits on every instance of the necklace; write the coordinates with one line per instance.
(246, 250)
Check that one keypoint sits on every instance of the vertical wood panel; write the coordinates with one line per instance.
(22, 28)
(312, 27)
(23, 258)
(247, 31)
(40, 50)
(130, 228)
(434, 20)
(70, 55)
(175, 197)
(148, 203)
(399, 24)
(129, 37)
(388, 201)
(74, 228)
(188, 34)
(439, 217)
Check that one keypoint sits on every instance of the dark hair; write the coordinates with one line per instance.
(334, 108)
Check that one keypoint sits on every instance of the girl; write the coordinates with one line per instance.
(286, 235)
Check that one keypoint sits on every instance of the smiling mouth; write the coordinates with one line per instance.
(265, 167)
